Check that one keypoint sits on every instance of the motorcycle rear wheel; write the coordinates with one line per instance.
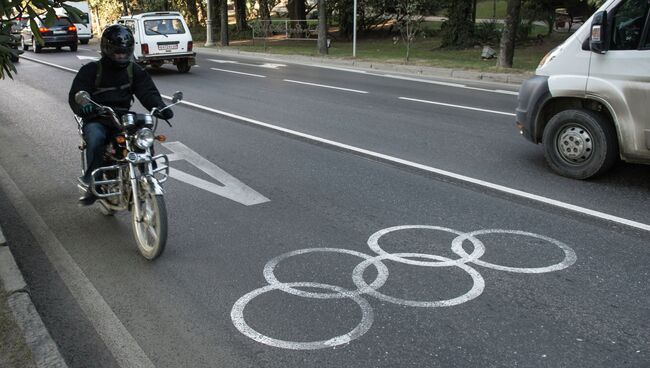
(151, 233)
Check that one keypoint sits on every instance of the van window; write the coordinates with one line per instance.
(628, 23)
(131, 25)
(62, 22)
(163, 26)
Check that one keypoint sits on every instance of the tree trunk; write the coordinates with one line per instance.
(240, 14)
(125, 7)
(265, 12)
(507, 46)
(345, 18)
(474, 6)
(322, 27)
(224, 23)
(192, 15)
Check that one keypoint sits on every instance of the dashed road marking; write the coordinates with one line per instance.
(324, 86)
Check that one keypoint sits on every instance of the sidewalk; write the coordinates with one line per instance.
(24, 340)
(371, 66)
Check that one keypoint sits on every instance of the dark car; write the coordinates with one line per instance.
(62, 33)
(16, 26)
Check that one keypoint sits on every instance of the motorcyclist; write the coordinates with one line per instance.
(112, 81)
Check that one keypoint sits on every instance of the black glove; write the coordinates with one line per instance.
(165, 114)
(89, 109)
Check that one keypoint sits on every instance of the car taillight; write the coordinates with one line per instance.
(145, 48)
(43, 29)
(72, 28)
(189, 46)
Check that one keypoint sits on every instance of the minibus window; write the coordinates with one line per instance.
(628, 23)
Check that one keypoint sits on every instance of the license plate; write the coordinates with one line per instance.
(60, 32)
(168, 47)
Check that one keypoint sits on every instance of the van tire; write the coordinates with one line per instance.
(580, 144)
(83, 42)
(183, 66)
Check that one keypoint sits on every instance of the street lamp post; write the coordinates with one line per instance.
(354, 30)
(208, 25)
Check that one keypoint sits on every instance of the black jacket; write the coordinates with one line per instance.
(142, 87)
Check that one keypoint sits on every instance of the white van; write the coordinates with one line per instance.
(589, 102)
(84, 29)
(161, 37)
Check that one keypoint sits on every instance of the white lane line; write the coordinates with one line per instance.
(402, 77)
(514, 93)
(234, 72)
(117, 338)
(457, 106)
(265, 65)
(482, 183)
(324, 86)
(49, 64)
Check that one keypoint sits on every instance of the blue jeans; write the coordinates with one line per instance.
(96, 136)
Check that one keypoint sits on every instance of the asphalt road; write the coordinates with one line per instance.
(554, 288)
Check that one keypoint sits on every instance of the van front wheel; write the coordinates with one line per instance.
(580, 143)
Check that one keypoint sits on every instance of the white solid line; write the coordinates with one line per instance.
(46, 63)
(116, 337)
(458, 106)
(514, 93)
(486, 184)
(324, 86)
(447, 84)
(234, 72)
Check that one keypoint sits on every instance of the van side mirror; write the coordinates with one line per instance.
(598, 42)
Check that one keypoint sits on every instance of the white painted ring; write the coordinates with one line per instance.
(237, 316)
(269, 273)
(569, 254)
(476, 290)
(373, 243)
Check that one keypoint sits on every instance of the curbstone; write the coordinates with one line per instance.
(38, 339)
(44, 350)
(10, 276)
(466, 74)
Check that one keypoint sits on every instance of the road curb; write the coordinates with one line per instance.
(418, 70)
(44, 350)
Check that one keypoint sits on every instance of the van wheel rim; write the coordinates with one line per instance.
(574, 144)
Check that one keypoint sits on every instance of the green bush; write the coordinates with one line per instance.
(487, 32)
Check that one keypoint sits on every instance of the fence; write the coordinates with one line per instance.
(285, 29)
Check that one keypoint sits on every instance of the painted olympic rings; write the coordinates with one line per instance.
(363, 288)
(269, 268)
(569, 255)
(237, 316)
(476, 290)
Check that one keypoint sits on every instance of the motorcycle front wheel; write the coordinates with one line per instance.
(151, 232)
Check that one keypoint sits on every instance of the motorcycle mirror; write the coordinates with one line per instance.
(178, 96)
(82, 98)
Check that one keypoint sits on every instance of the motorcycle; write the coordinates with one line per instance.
(132, 178)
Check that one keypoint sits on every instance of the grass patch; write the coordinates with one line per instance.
(485, 9)
(425, 52)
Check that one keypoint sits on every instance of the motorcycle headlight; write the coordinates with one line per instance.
(144, 138)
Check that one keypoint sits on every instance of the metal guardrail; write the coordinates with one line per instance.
(284, 29)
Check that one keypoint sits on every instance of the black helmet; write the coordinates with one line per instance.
(117, 45)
